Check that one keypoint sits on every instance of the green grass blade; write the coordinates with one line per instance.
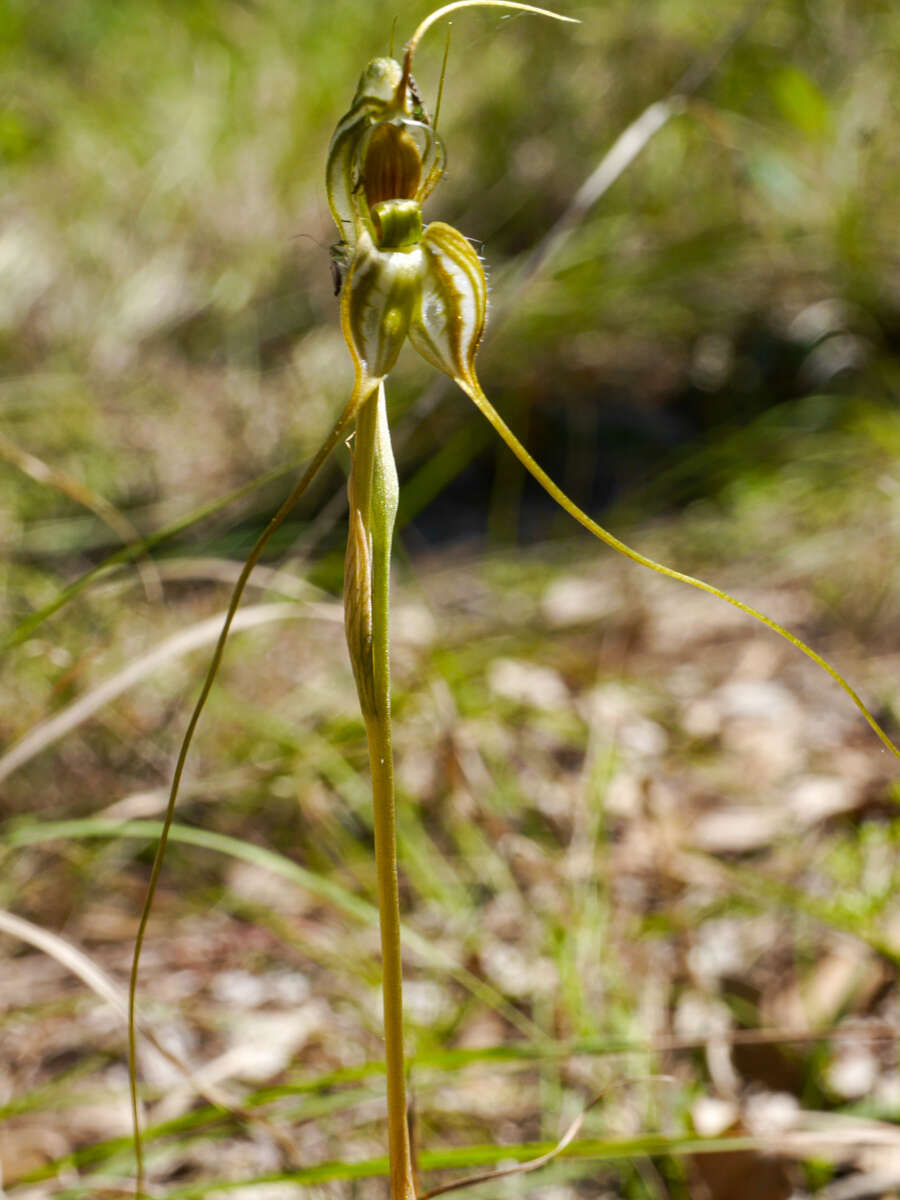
(135, 550)
(30, 834)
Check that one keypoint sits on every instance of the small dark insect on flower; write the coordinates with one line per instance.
(418, 105)
(340, 260)
(337, 277)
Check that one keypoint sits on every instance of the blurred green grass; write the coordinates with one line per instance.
(167, 295)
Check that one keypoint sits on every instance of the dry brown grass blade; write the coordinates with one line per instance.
(45, 733)
(264, 579)
(619, 157)
(106, 988)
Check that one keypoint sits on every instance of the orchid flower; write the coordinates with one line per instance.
(404, 280)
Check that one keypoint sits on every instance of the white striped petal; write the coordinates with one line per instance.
(379, 300)
(448, 321)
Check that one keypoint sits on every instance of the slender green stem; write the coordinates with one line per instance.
(373, 494)
(380, 759)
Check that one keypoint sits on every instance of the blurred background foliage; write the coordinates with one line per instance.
(712, 365)
(166, 321)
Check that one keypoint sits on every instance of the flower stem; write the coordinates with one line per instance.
(373, 507)
(380, 758)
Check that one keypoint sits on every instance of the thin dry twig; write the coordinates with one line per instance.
(534, 1164)
(524, 1168)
